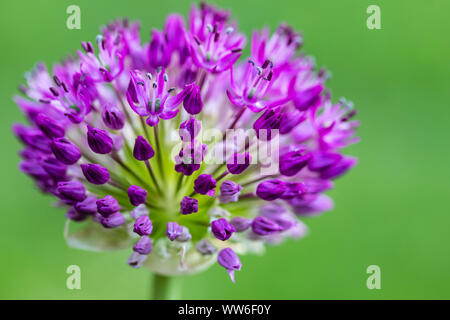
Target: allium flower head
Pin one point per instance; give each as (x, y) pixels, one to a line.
(163, 140)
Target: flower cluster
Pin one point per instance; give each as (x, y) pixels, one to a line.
(100, 138)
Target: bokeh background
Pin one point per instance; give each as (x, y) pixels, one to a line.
(392, 210)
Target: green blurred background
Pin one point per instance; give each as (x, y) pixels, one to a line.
(392, 210)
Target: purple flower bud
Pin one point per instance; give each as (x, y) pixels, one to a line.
(192, 103)
(137, 195)
(99, 140)
(308, 98)
(49, 126)
(188, 205)
(229, 191)
(267, 125)
(321, 160)
(158, 50)
(140, 210)
(205, 247)
(34, 169)
(136, 260)
(289, 120)
(142, 149)
(173, 230)
(271, 189)
(185, 236)
(113, 117)
(143, 226)
(107, 206)
(311, 204)
(74, 215)
(205, 184)
(87, 206)
(143, 246)
(113, 221)
(189, 129)
(239, 163)
(292, 162)
(65, 151)
(71, 190)
(54, 168)
(263, 226)
(241, 224)
(222, 229)
(230, 261)
(293, 189)
(95, 173)
(339, 168)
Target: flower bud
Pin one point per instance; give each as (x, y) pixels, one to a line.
(293, 189)
(188, 205)
(239, 163)
(185, 236)
(241, 224)
(143, 246)
(95, 173)
(143, 226)
(136, 260)
(229, 191)
(189, 129)
(56, 169)
(205, 247)
(222, 229)
(173, 230)
(113, 117)
(74, 215)
(290, 120)
(292, 162)
(107, 206)
(339, 168)
(49, 126)
(72, 190)
(263, 226)
(137, 195)
(266, 124)
(271, 189)
(230, 261)
(87, 206)
(112, 221)
(65, 151)
(192, 103)
(205, 184)
(140, 210)
(321, 160)
(99, 140)
(142, 149)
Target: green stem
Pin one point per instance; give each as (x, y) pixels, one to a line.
(164, 288)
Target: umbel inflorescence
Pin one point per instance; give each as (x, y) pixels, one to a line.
(121, 135)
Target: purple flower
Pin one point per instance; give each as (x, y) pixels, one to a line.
(54, 168)
(113, 220)
(137, 195)
(71, 190)
(113, 118)
(99, 140)
(95, 173)
(87, 206)
(107, 206)
(292, 162)
(339, 168)
(271, 189)
(229, 191)
(205, 184)
(230, 261)
(143, 226)
(239, 163)
(49, 127)
(142, 149)
(263, 226)
(158, 50)
(65, 151)
(192, 102)
(205, 247)
(173, 230)
(189, 129)
(143, 246)
(222, 229)
(189, 158)
(74, 215)
(241, 224)
(267, 124)
(185, 236)
(188, 205)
